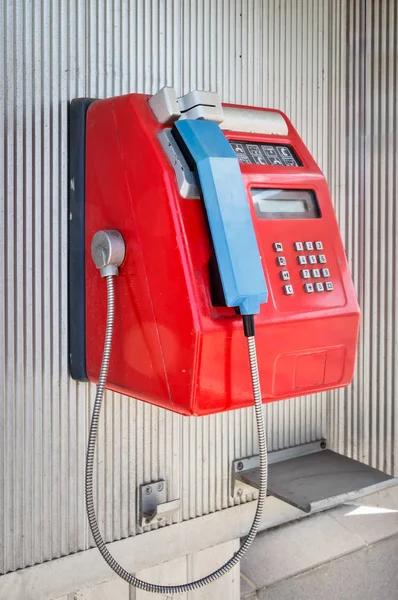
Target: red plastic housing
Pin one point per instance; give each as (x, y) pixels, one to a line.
(171, 346)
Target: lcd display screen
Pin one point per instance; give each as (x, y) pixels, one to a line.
(285, 204)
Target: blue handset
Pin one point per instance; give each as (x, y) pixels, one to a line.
(228, 214)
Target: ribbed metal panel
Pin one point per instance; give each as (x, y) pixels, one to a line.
(364, 419)
(274, 54)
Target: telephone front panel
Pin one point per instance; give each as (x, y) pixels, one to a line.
(176, 342)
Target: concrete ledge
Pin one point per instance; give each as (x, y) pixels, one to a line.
(368, 574)
(65, 575)
(294, 549)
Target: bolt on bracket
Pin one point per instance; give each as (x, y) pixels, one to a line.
(154, 507)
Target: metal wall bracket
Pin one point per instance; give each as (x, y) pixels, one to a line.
(245, 470)
(240, 468)
(153, 505)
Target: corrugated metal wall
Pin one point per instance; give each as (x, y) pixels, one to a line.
(288, 55)
(364, 419)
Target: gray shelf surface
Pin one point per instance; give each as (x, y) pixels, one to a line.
(319, 480)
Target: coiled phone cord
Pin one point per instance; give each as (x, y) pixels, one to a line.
(262, 443)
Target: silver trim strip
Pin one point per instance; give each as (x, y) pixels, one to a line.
(185, 178)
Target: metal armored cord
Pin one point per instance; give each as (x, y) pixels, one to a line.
(143, 585)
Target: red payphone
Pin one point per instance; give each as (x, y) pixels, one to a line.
(216, 214)
(175, 344)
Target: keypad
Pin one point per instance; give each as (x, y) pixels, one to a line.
(281, 261)
(308, 253)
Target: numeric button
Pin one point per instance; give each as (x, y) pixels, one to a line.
(312, 259)
(281, 261)
(321, 259)
(278, 247)
(284, 275)
(308, 246)
(305, 274)
(308, 288)
(319, 287)
(325, 272)
(315, 273)
(302, 260)
(318, 245)
(328, 286)
(288, 290)
(298, 246)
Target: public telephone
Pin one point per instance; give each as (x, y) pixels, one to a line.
(177, 342)
(215, 214)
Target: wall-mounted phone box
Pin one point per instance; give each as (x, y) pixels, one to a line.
(174, 344)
